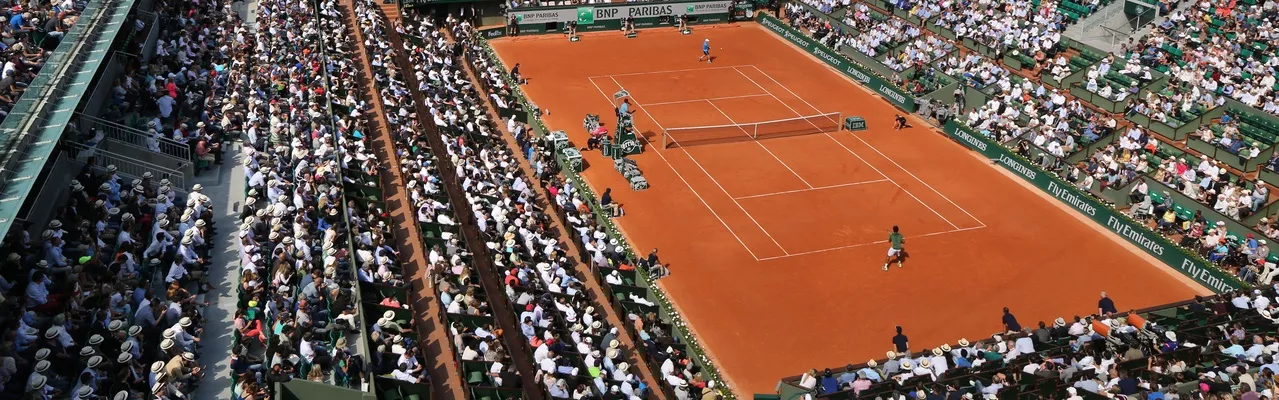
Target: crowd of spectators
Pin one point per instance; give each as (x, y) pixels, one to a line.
(829, 6)
(1211, 183)
(33, 31)
(1174, 105)
(919, 52)
(977, 71)
(1025, 27)
(1048, 119)
(816, 26)
(1225, 49)
(296, 315)
(1228, 137)
(450, 265)
(878, 34)
(575, 350)
(1213, 347)
(161, 95)
(107, 300)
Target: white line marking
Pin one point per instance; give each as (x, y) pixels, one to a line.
(809, 190)
(681, 177)
(761, 145)
(592, 78)
(714, 98)
(699, 165)
(867, 244)
(832, 138)
(912, 175)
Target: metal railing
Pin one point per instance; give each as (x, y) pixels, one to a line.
(135, 137)
(125, 166)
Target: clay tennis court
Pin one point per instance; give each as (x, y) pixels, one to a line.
(776, 243)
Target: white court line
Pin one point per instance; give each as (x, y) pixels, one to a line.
(713, 98)
(592, 78)
(761, 145)
(699, 165)
(681, 176)
(832, 138)
(809, 190)
(912, 175)
(867, 244)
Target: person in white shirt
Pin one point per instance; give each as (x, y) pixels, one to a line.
(401, 373)
(165, 104)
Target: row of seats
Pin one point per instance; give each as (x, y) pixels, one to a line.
(463, 306)
(1220, 48)
(396, 361)
(298, 312)
(1206, 347)
(107, 301)
(575, 350)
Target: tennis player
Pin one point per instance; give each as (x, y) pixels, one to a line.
(896, 249)
(706, 51)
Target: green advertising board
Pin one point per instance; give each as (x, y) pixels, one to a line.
(895, 95)
(1136, 233)
(608, 14)
(609, 17)
(493, 33)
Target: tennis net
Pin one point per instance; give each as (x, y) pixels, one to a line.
(695, 135)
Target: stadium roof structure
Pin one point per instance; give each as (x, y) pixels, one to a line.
(30, 133)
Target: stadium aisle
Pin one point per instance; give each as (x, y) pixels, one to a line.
(228, 190)
(438, 356)
(227, 187)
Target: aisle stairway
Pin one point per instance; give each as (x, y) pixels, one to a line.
(436, 349)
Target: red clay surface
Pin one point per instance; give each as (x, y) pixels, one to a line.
(776, 245)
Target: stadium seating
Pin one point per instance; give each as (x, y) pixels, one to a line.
(1174, 349)
(1184, 45)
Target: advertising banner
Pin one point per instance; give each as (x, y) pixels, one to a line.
(858, 72)
(588, 15)
(1153, 243)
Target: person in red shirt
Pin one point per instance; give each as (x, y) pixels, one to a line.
(171, 87)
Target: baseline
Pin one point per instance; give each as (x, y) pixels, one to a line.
(788, 255)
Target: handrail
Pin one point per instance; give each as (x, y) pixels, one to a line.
(133, 136)
(126, 166)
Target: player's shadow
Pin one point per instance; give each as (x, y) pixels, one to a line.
(711, 59)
